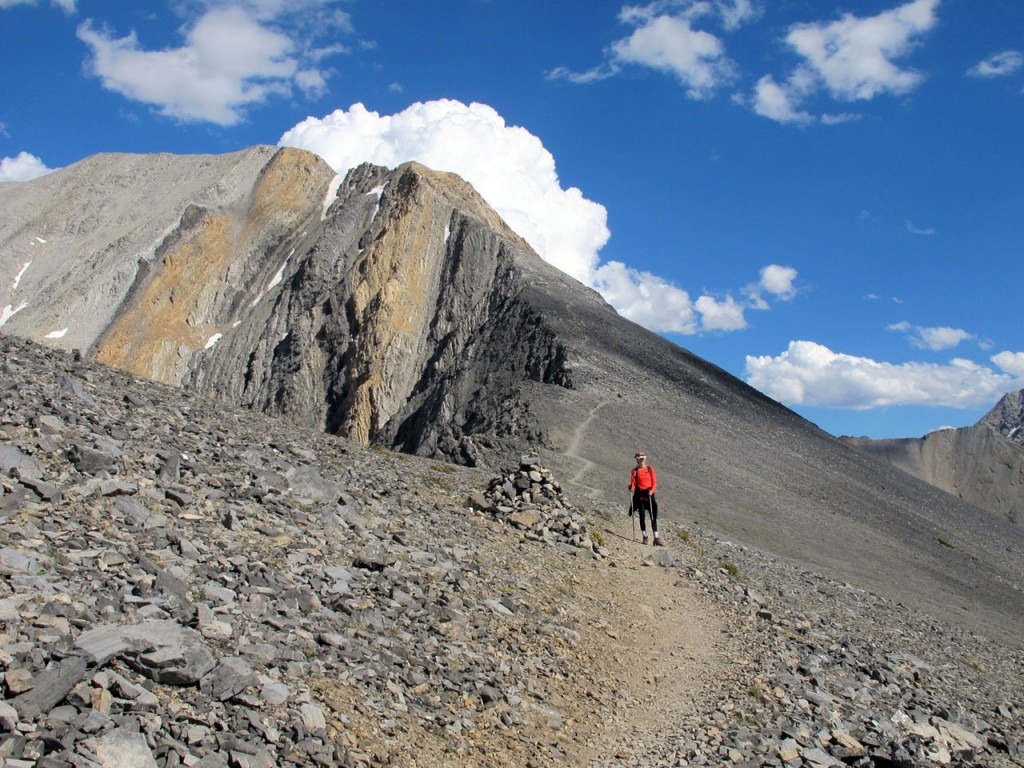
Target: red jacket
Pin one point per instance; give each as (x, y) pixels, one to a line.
(643, 479)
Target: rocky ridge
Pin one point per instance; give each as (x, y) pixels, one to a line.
(982, 464)
(188, 584)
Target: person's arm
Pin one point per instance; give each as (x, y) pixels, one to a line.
(654, 481)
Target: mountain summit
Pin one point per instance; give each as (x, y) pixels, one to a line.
(396, 308)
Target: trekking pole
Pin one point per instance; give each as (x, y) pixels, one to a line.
(631, 517)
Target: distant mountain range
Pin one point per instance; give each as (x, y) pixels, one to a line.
(983, 464)
(395, 307)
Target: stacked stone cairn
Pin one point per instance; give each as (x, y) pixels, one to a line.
(528, 498)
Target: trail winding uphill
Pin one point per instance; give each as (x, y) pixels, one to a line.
(650, 632)
(573, 451)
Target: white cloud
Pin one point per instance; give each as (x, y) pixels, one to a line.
(24, 167)
(998, 65)
(516, 175)
(664, 39)
(915, 230)
(1011, 362)
(68, 6)
(935, 338)
(669, 44)
(720, 315)
(775, 280)
(852, 58)
(646, 299)
(602, 72)
(233, 58)
(778, 102)
(811, 374)
(779, 281)
(736, 13)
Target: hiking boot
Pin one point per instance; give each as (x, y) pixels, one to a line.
(645, 539)
(657, 541)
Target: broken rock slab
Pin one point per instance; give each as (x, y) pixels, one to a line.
(162, 650)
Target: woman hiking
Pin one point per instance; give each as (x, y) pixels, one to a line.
(643, 482)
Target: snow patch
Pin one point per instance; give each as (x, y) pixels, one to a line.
(274, 281)
(212, 341)
(447, 232)
(1012, 432)
(17, 277)
(56, 334)
(379, 192)
(332, 194)
(10, 311)
(280, 273)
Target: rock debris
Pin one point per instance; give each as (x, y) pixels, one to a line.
(186, 584)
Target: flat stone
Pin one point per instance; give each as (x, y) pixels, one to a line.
(121, 748)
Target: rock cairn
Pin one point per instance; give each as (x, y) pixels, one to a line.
(528, 498)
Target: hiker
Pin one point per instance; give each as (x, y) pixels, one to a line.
(643, 483)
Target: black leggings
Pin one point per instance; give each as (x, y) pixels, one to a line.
(644, 503)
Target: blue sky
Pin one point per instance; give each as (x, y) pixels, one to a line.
(823, 199)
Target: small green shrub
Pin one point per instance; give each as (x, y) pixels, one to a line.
(598, 539)
(732, 569)
(945, 543)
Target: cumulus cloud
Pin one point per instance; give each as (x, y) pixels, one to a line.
(998, 65)
(1011, 362)
(646, 299)
(778, 101)
(671, 45)
(516, 175)
(720, 314)
(233, 58)
(853, 59)
(664, 39)
(776, 280)
(779, 280)
(24, 167)
(811, 374)
(736, 13)
(936, 339)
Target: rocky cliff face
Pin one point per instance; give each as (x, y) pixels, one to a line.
(400, 324)
(983, 464)
(386, 310)
(1007, 417)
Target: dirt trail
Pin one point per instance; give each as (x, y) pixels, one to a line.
(573, 451)
(660, 644)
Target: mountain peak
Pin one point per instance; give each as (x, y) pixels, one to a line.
(1007, 417)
